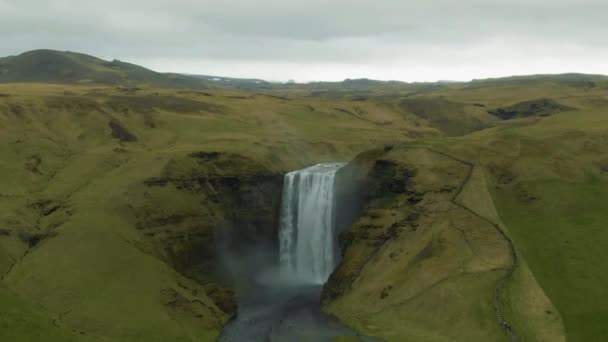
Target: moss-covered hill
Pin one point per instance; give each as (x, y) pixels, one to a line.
(64, 67)
(506, 224)
(112, 198)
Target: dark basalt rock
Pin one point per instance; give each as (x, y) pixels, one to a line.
(224, 298)
(390, 177)
(178, 306)
(380, 180)
(239, 205)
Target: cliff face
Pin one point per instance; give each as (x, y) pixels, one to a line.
(417, 257)
(164, 234)
(203, 206)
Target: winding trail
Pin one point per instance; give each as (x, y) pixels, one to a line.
(498, 289)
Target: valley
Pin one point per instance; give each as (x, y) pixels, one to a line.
(143, 209)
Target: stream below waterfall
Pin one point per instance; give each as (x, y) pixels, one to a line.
(283, 313)
(284, 301)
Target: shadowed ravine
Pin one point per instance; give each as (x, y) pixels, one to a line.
(284, 303)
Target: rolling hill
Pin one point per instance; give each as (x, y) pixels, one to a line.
(49, 66)
(481, 197)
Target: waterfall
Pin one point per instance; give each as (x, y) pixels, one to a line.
(308, 247)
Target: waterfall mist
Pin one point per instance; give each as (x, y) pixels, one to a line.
(283, 303)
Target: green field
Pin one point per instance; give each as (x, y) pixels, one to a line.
(564, 237)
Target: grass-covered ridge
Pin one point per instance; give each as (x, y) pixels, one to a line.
(64, 67)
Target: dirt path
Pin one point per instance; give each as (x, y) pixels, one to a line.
(498, 289)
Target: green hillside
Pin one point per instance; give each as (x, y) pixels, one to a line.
(50, 66)
(115, 182)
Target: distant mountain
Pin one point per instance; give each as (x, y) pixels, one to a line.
(64, 67)
(222, 79)
(569, 79)
(50, 66)
(246, 84)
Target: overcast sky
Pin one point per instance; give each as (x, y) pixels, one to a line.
(310, 40)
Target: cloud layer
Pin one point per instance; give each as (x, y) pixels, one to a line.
(322, 40)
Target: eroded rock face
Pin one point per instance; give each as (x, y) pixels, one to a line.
(414, 249)
(203, 204)
(183, 305)
(377, 181)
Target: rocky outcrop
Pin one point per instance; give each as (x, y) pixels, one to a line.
(202, 206)
(247, 192)
(223, 297)
(416, 257)
(187, 306)
(374, 181)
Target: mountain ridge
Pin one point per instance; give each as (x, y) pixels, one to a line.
(67, 67)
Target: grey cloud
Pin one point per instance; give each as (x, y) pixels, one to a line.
(376, 34)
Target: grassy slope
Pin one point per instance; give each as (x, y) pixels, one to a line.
(24, 321)
(549, 188)
(545, 178)
(50, 66)
(436, 261)
(98, 275)
(569, 263)
(562, 231)
(93, 175)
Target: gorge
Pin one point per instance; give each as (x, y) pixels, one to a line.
(135, 213)
(284, 301)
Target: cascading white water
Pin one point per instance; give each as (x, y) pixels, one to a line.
(308, 246)
(284, 304)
